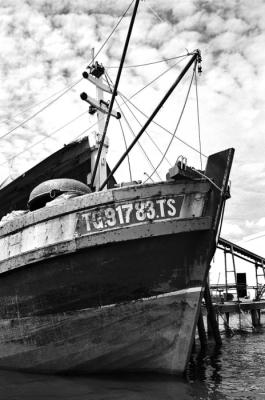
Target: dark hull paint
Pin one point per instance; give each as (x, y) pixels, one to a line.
(142, 335)
(116, 307)
(108, 274)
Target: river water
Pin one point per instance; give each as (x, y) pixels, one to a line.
(235, 372)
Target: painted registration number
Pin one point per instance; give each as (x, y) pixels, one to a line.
(128, 213)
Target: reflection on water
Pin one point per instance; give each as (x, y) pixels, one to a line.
(235, 372)
(131, 387)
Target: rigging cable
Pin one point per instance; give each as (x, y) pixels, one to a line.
(162, 127)
(32, 106)
(72, 85)
(154, 12)
(154, 122)
(149, 63)
(143, 150)
(43, 139)
(154, 113)
(143, 88)
(113, 30)
(126, 147)
(198, 117)
(127, 100)
(39, 111)
(124, 102)
(181, 114)
(207, 178)
(108, 79)
(149, 136)
(117, 80)
(156, 78)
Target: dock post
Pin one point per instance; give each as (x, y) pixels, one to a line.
(258, 312)
(255, 317)
(211, 316)
(201, 331)
(226, 323)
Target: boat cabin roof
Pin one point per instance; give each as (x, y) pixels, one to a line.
(71, 161)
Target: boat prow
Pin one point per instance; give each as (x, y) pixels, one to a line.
(110, 280)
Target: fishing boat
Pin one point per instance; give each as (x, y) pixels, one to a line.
(97, 276)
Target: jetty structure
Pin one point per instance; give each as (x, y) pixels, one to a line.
(97, 276)
(232, 297)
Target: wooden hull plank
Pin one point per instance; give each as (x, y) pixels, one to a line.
(150, 335)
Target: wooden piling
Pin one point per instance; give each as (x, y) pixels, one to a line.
(255, 317)
(226, 322)
(201, 331)
(258, 312)
(211, 316)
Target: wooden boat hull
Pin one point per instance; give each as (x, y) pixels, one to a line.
(152, 334)
(109, 281)
(129, 304)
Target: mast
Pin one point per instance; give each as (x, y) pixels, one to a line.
(101, 172)
(94, 172)
(101, 107)
(100, 145)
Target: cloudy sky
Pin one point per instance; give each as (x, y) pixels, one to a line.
(46, 45)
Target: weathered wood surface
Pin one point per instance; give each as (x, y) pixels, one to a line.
(152, 334)
(54, 231)
(84, 294)
(107, 274)
(110, 196)
(71, 161)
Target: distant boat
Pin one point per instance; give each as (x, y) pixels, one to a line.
(105, 280)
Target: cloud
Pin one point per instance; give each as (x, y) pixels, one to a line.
(46, 44)
(231, 230)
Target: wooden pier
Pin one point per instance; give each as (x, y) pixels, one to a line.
(214, 309)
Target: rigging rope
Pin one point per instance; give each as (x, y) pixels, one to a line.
(154, 113)
(129, 126)
(43, 139)
(143, 88)
(181, 114)
(126, 147)
(155, 14)
(150, 63)
(198, 117)
(155, 79)
(113, 30)
(127, 100)
(207, 178)
(73, 84)
(112, 100)
(161, 126)
(108, 79)
(32, 106)
(149, 136)
(143, 150)
(125, 103)
(39, 111)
